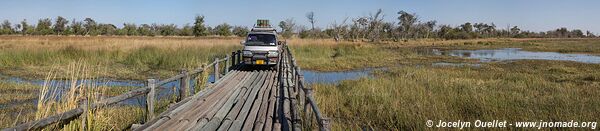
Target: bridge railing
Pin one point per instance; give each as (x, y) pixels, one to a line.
(305, 96)
(150, 91)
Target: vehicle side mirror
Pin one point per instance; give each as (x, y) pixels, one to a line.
(242, 42)
(279, 42)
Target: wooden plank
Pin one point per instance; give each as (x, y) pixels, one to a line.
(235, 112)
(260, 103)
(202, 111)
(286, 120)
(183, 117)
(222, 113)
(250, 102)
(238, 106)
(271, 110)
(225, 103)
(176, 111)
(216, 120)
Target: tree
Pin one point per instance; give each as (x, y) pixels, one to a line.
(145, 30)
(77, 27)
(339, 30)
(90, 27)
(515, 30)
(311, 19)
(375, 24)
(303, 32)
(223, 29)
(130, 29)
(6, 28)
(467, 27)
(167, 30)
(43, 27)
(186, 30)
(199, 29)
(387, 30)
(429, 26)
(107, 29)
(589, 34)
(287, 27)
(240, 31)
(407, 20)
(359, 28)
(444, 31)
(24, 27)
(60, 25)
(577, 33)
(17, 29)
(154, 29)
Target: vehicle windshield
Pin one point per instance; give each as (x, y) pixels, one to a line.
(261, 40)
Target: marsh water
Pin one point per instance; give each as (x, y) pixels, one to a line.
(505, 54)
(311, 77)
(58, 86)
(169, 89)
(334, 77)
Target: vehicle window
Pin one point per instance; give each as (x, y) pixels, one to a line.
(261, 39)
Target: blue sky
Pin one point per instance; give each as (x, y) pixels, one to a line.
(535, 15)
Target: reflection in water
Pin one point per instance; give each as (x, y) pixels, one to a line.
(518, 54)
(165, 91)
(312, 77)
(168, 89)
(455, 64)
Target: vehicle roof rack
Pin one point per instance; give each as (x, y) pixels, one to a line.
(261, 23)
(262, 26)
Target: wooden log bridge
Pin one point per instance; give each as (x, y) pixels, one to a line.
(241, 98)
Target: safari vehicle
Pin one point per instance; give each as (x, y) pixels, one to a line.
(261, 46)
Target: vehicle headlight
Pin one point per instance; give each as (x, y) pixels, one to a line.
(247, 53)
(273, 53)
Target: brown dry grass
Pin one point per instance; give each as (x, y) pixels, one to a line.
(122, 43)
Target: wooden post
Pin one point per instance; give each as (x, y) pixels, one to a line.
(239, 55)
(150, 99)
(184, 85)
(326, 126)
(234, 56)
(216, 69)
(227, 63)
(302, 92)
(84, 114)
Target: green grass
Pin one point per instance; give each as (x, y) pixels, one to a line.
(356, 56)
(405, 98)
(341, 57)
(411, 91)
(114, 57)
(135, 64)
(402, 97)
(19, 97)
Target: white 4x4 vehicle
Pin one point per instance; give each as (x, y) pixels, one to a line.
(261, 46)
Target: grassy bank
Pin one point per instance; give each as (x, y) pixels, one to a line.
(405, 98)
(117, 57)
(580, 46)
(18, 105)
(352, 55)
